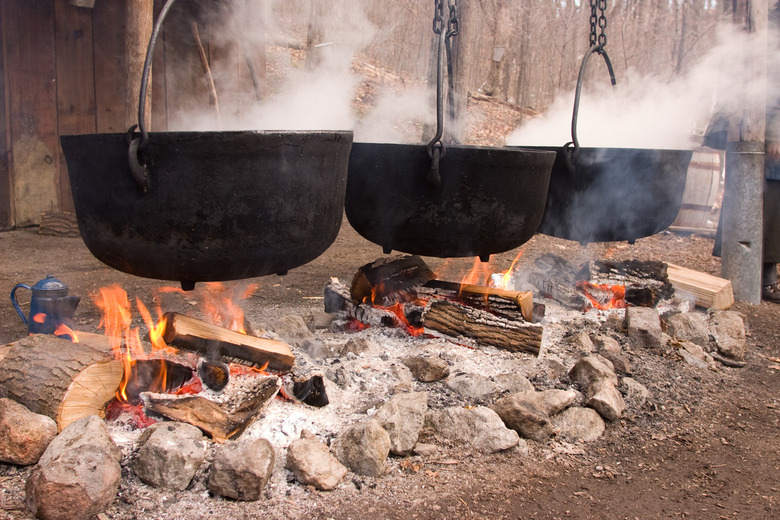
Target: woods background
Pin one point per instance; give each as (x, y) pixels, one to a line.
(67, 66)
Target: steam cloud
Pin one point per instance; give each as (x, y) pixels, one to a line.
(652, 112)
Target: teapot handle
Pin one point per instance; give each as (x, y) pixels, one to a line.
(16, 304)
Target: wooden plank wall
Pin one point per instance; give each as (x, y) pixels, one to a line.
(62, 71)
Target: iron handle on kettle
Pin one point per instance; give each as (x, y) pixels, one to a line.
(16, 303)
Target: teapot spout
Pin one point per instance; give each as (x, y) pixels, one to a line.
(68, 306)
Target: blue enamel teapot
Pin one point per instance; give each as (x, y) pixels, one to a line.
(50, 305)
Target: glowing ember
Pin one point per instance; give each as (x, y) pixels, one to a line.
(398, 310)
(604, 296)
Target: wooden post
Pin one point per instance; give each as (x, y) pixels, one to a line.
(139, 16)
(742, 213)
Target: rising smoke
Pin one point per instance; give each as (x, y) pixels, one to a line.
(651, 112)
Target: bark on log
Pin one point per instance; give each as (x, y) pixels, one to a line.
(232, 347)
(63, 380)
(459, 320)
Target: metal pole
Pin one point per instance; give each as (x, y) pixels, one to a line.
(742, 218)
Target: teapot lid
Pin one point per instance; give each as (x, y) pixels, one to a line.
(50, 284)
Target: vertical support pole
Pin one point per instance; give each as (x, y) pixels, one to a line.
(742, 223)
(140, 21)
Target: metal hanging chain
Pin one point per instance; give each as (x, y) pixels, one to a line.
(453, 28)
(598, 18)
(436, 148)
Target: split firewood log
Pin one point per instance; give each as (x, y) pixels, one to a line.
(456, 319)
(63, 380)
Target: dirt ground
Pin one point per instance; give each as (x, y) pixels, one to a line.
(706, 447)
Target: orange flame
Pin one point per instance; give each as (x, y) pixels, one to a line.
(398, 310)
(504, 280)
(116, 321)
(604, 296)
(39, 318)
(219, 305)
(64, 330)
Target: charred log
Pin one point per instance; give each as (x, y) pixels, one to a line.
(388, 280)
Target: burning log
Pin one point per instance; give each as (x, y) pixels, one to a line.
(221, 422)
(460, 320)
(557, 279)
(491, 297)
(214, 341)
(646, 282)
(63, 380)
(389, 280)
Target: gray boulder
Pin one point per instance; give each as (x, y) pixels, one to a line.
(577, 424)
(644, 326)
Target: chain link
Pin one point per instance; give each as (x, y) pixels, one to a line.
(453, 25)
(598, 20)
(602, 22)
(438, 16)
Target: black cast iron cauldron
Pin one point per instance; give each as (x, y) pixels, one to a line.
(613, 194)
(219, 205)
(489, 200)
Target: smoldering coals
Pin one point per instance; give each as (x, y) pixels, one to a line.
(651, 112)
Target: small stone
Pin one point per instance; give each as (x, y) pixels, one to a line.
(78, 475)
(728, 328)
(520, 413)
(403, 417)
(427, 368)
(577, 424)
(644, 326)
(241, 469)
(474, 387)
(170, 454)
(292, 329)
(688, 326)
(581, 342)
(364, 448)
(636, 393)
(24, 435)
(480, 428)
(513, 383)
(606, 400)
(591, 369)
(312, 464)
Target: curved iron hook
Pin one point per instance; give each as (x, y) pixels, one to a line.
(593, 49)
(138, 168)
(138, 143)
